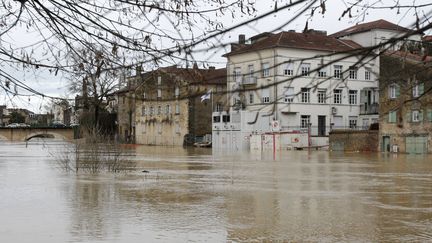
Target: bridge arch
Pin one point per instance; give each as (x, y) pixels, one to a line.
(44, 134)
(25, 134)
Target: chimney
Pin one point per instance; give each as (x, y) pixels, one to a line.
(195, 65)
(242, 39)
(316, 32)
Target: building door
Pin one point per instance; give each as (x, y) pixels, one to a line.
(386, 144)
(321, 125)
(416, 144)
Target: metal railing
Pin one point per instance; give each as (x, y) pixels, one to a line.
(249, 80)
(321, 130)
(367, 109)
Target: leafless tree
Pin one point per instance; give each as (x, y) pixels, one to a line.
(103, 36)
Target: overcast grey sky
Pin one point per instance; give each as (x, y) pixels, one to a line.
(329, 21)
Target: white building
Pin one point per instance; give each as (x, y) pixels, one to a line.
(378, 32)
(290, 82)
(303, 82)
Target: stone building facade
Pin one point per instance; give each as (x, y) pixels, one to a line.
(125, 109)
(405, 103)
(170, 109)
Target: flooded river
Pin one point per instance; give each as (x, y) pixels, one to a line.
(194, 195)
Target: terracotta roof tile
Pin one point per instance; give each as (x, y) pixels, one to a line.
(308, 41)
(427, 38)
(196, 75)
(408, 55)
(378, 24)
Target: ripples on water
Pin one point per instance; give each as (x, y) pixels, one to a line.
(194, 195)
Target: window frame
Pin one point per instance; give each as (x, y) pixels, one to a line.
(337, 71)
(322, 96)
(352, 122)
(305, 95)
(304, 121)
(368, 75)
(237, 74)
(305, 69)
(353, 97)
(352, 74)
(415, 116)
(288, 69)
(337, 96)
(143, 111)
(265, 69)
(288, 95)
(265, 95)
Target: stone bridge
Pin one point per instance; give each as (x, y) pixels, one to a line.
(23, 134)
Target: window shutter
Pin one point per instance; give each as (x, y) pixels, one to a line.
(389, 93)
(397, 91)
(421, 88)
(363, 96)
(421, 115)
(392, 116)
(429, 114)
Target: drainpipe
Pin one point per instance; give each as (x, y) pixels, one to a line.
(275, 85)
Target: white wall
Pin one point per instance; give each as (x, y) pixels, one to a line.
(376, 36)
(289, 113)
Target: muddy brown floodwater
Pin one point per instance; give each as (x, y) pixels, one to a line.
(196, 195)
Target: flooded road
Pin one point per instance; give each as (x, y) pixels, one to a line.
(194, 195)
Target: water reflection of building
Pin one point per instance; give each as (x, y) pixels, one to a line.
(302, 198)
(96, 208)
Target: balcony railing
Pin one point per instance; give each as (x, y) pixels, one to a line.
(368, 109)
(249, 80)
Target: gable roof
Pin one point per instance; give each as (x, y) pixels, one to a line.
(378, 24)
(308, 41)
(197, 75)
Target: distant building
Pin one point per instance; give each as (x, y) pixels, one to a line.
(28, 115)
(62, 112)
